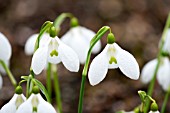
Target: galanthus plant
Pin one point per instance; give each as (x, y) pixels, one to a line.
(160, 67)
(15, 102)
(111, 57)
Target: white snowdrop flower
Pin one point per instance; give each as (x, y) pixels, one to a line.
(13, 104)
(1, 81)
(163, 74)
(36, 104)
(5, 54)
(154, 112)
(54, 51)
(166, 47)
(30, 43)
(78, 38)
(112, 57)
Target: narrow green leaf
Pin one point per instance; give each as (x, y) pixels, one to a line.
(42, 88)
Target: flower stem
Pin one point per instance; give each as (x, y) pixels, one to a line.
(151, 86)
(10, 75)
(57, 88)
(165, 101)
(48, 81)
(80, 107)
(94, 40)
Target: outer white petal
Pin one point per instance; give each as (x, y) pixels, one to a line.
(98, 69)
(1, 81)
(11, 107)
(39, 60)
(127, 64)
(148, 71)
(74, 39)
(166, 46)
(2, 69)
(5, 49)
(164, 74)
(88, 34)
(26, 107)
(68, 57)
(44, 107)
(78, 38)
(30, 44)
(45, 40)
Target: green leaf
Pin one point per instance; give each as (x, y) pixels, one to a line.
(42, 88)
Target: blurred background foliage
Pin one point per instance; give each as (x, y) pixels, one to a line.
(137, 25)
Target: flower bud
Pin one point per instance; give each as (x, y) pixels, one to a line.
(110, 38)
(53, 31)
(35, 90)
(18, 90)
(74, 22)
(154, 106)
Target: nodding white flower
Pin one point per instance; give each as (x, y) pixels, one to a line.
(54, 51)
(79, 39)
(13, 104)
(30, 43)
(166, 47)
(154, 112)
(35, 104)
(112, 57)
(5, 53)
(163, 74)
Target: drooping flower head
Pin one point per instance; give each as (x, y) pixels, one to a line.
(36, 104)
(54, 51)
(14, 103)
(78, 38)
(112, 57)
(163, 74)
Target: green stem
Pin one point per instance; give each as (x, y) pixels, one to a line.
(57, 88)
(48, 81)
(80, 107)
(151, 86)
(94, 40)
(11, 77)
(165, 101)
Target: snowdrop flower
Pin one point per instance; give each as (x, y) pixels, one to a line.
(36, 104)
(14, 103)
(54, 51)
(163, 74)
(166, 47)
(78, 38)
(112, 57)
(30, 43)
(5, 54)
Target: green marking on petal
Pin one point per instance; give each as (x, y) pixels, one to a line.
(112, 59)
(54, 53)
